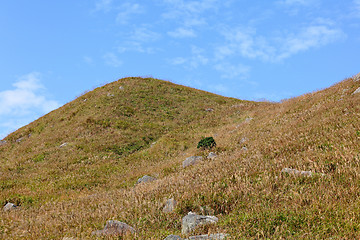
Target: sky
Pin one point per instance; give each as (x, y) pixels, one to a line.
(53, 51)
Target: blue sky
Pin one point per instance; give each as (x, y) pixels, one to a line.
(53, 51)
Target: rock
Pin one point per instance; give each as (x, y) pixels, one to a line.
(63, 145)
(191, 161)
(244, 149)
(356, 91)
(209, 109)
(297, 172)
(121, 88)
(19, 139)
(244, 139)
(2, 142)
(116, 228)
(192, 220)
(217, 236)
(247, 120)
(145, 179)
(9, 207)
(69, 238)
(212, 155)
(173, 237)
(356, 78)
(169, 205)
(110, 95)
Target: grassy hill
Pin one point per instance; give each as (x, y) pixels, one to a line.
(76, 167)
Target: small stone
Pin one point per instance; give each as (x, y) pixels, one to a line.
(247, 120)
(173, 237)
(169, 205)
(9, 207)
(145, 179)
(209, 109)
(357, 91)
(217, 236)
(356, 78)
(297, 172)
(2, 142)
(110, 95)
(121, 88)
(19, 139)
(116, 228)
(63, 145)
(191, 161)
(192, 220)
(212, 155)
(244, 149)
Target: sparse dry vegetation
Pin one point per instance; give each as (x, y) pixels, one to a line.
(116, 135)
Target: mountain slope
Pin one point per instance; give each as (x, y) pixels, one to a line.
(73, 190)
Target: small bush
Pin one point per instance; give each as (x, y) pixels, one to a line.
(207, 142)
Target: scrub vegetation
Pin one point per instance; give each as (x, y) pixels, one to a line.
(75, 168)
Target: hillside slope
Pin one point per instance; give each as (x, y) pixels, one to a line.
(132, 127)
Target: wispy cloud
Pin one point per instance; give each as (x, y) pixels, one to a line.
(297, 2)
(231, 71)
(25, 102)
(248, 44)
(103, 5)
(112, 60)
(356, 8)
(127, 10)
(196, 59)
(182, 33)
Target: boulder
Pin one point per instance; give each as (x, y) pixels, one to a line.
(357, 91)
(192, 220)
(212, 156)
(191, 161)
(217, 236)
(173, 237)
(9, 207)
(145, 179)
(115, 228)
(297, 172)
(169, 205)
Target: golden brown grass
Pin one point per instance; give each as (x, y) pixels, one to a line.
(73, 190)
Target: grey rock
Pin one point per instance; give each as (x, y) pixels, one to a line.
(121, 88)
(173, 237)
(2, 142)
(145, 179)
(244, 149)
(356, 91)
(192, 220)
(19, 139)
(297, 172)
(9, 207)
(356, 78)
(212, 155)
(209, 109)
(69, 238)
(169, 205)
(110, 95)
(217, 236)
(247, 120)
(191, 161)
(116, 228)
(63, 145)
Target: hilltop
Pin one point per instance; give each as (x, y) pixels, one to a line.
(77, 167)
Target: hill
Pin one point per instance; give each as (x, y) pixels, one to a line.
(75, 168)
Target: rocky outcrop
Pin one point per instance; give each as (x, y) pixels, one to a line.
(115, 228)
(169, 206)
(173, 237)
(145, 179)
(212, 156)
(192, 220)
(217, 236)
(191, 161)
(9, 207)
(297, 172)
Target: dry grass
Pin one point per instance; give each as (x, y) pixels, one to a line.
(73, 190)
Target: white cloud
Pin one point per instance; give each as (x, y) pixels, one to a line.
(231, 71)
(112, 60)
(24, 103)
(196, 59)
(356, 8)
(248, 44)
(127, 10)
(297, 2)
(103, 5)
(182, 33)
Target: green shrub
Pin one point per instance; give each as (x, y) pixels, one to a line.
(207, 142)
